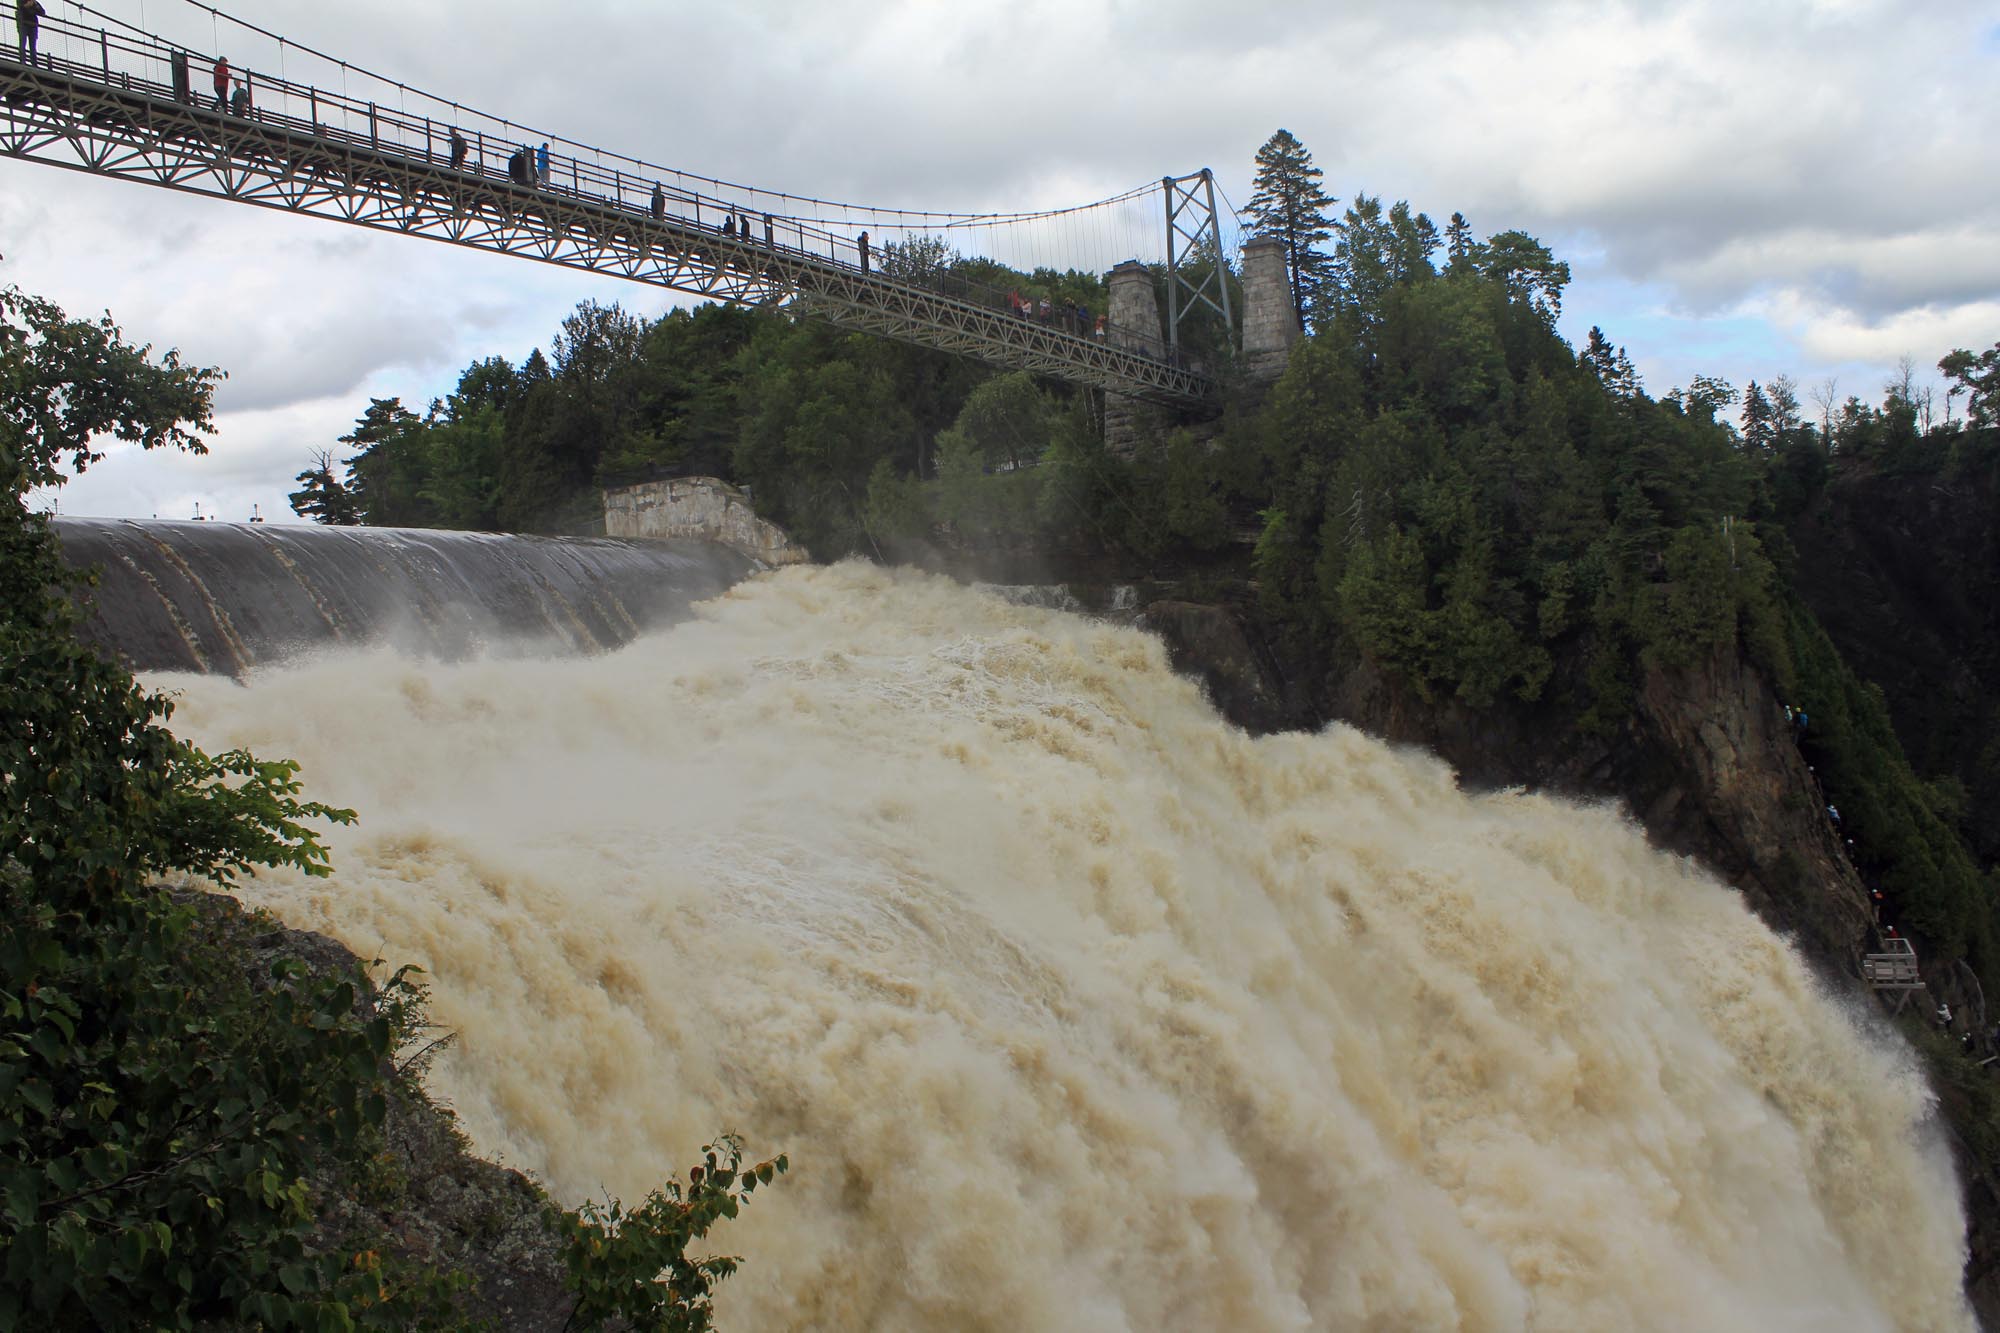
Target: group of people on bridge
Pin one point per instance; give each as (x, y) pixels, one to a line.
(1069, 316)
(232, 93)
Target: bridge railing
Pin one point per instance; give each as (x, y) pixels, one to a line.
(139, 62)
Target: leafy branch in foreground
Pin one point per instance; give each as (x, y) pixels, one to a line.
(633, 1267)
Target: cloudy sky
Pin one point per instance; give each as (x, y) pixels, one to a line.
(1743, 189)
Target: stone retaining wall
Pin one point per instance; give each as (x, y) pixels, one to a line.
(698, 507)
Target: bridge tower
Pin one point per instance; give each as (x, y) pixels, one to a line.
(1196, 272)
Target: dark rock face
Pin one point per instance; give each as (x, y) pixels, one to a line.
(228, 597)
(1904, 573)
(1706, 764)
(1209, 642)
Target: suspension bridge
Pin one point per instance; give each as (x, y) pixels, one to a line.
(107, 97)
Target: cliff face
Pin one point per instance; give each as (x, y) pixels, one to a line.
(1903, 570)
(1706, 762)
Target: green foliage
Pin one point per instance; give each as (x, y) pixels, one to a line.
(1288, 202)
(159, 1111)
(895, 509)
(1902, 831)
(1977, 378)
(1452, 492)
(70, 382)
(630, 1269)
(322, 496)
(1006, 422)
(388, 466)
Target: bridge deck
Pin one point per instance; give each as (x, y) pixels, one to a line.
(371, 166)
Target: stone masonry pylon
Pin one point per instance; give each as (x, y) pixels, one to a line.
(1134, 325)
(1270, 320)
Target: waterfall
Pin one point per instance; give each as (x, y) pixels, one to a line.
(1077, 1008)
(227, 597)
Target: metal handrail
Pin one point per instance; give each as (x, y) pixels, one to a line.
(360, 123)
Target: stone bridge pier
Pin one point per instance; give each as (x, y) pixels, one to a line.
(1271, 328)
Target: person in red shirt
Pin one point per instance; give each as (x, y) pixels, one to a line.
(222, 83)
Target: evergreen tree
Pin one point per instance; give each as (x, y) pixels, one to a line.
(1759, 429)
(1785, 414)
(1531, 273)
(1289, 204)
(1460, 249)
(386, 472)
(1614, 370)
(323, 497)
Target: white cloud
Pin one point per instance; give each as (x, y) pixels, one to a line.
(1833, 335)
(1824, 166)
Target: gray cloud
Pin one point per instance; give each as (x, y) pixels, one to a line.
(1823, 169)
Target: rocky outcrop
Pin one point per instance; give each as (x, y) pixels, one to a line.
(1705, 761)
(1209, 642)
(699, 507)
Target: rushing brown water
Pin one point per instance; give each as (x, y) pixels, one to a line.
(1076, 1008)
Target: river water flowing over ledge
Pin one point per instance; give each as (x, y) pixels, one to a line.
(230, 597)
(1076, 1008)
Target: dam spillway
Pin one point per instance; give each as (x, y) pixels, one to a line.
(225, 598)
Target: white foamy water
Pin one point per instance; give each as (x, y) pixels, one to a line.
(1076, 1008)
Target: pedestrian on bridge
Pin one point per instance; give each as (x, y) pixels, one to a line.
(240, 103)
(28, 24)
(459, 149)
(542, 163)
(222, 83)
(861, 243)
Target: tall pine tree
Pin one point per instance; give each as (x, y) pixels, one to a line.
(1289, 204)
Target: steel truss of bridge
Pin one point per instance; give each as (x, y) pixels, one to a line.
(110, 122)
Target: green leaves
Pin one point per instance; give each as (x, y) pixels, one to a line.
(633, 1266)
(65, 382)
(161, 1109)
